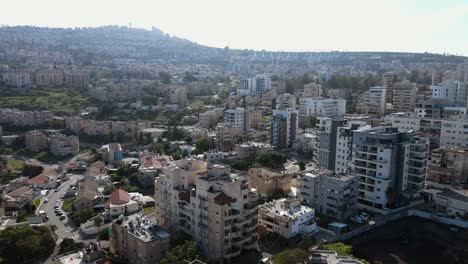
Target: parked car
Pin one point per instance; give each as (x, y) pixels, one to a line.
(46, 200)
(62, 217)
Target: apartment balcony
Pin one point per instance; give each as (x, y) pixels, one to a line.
(241, 240)
(232, 252)
(251, 244)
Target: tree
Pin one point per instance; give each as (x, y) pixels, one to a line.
(25, 244)
(68, 244)
(98, 222)
(32, 171)
(290, 256)
(177, 155)
(301, 165)
(182, 254)
(83, 215)
(203, 145)
(271, 160)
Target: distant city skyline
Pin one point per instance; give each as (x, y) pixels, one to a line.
(301, 25)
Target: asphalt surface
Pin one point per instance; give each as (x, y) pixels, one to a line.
(65, 228)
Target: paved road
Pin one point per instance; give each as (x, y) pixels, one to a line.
(65, 228)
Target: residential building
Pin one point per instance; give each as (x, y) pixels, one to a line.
(330, 257)
(330, 193)
(448, 166)
(322, 107)
(254, 119)
(35, 140)
(77, 79)
(268, 182)
(312, 90)
(18, 198)
(18, 78)
(373, 101)
(236, 118)
(49, 78)
(111, 152)
(216, 207)
(249, 150)
(391, 165)
(209, 118)
(25, 118)
(262, 83)
(119, 203)
(62, 145)
(327, 141)
(452, 202)
(284, 126)
(138, 240)
(285, 101)
(450, 93)
(404, 96)
(287, 218)
(227, 136)
(454, 132)
(86, 195)
(344, 142)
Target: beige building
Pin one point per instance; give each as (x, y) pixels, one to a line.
(138, 240)
(250, 150)
(254, 119)
(210, 203)
(208, 119)
(448, 166)
(77, 79)
(404, 96)
(49, 78)
(268, 182)
(35, 140)
(62, 145)
(286, 217)
(227, 136)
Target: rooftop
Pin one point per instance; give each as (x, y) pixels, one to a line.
(142, 228)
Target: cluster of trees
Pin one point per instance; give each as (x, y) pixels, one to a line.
(271, 160)
(182, 254)
(82, 216)
(353, 83)
(32, 171)
(68, 245)
(25, 244)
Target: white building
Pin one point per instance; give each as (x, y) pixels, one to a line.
(373, 101)
(450, 93)
(344, 143)
(287, 217)
(404, 96)
(332, 194)
(62, 145)
(322, 107)
(236, 118)
(454, 133)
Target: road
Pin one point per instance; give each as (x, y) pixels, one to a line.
(65, 228)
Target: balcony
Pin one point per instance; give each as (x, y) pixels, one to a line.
(232, 252)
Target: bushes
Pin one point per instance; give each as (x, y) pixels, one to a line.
(67, 205)
(288, 256)
(82, 216)
(271, 160)
(182, 254)
(68, 244)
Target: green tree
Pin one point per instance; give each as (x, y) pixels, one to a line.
(83, 215)
(271, 160)
(203, 145)
(177, 155)
(32, 171)
(182, 254)
(68, 244)
(301, 165)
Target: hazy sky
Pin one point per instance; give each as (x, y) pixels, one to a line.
(377, 25)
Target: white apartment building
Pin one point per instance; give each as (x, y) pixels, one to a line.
(322, 107)
(287, 217)
(344, 143)
(216, 207)
(312, 90)
(62, 145)
(454, 133)
(389, 164)
(450, 93)
(209, 118)
(284, 126)
(373, 101)
(404, 121)
(257, 85)
(18, 78)
(332, 194)
(285, 101)
(236, 118)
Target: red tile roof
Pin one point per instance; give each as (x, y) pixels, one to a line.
(118, 197)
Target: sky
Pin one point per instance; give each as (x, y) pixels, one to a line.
(439, 26)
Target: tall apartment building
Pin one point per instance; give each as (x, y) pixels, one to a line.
(373, 101)
(448, 166)
(216, 207)
(138, 240)
(327, 136)
(35, 140)
(286, 217)
(227, 136)
(332, 194)
(404, 96)
(450, 93)
(344, 144)
(454, 132)
(25, 118)
(254, 119)
(268, 182)
(18, 78)
(236, 118)
(389, 163)
(284, 126)
(257, 85)
(322, 107)
(62, 145)
(49, 78)
(77, 79)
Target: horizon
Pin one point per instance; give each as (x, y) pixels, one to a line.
(302, 26)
